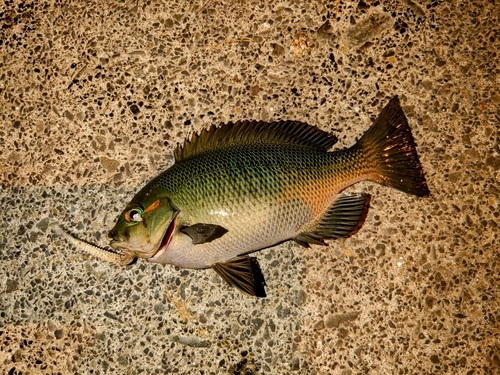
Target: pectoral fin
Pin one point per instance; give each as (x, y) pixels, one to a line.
(243, 273)
(203, 233)
(344, 218)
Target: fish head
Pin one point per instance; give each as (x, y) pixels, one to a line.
(145, 226)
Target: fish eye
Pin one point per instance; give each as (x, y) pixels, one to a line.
(133, 215)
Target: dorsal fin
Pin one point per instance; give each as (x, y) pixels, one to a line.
(280, 132)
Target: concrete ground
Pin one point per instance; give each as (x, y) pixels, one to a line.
(95, 95)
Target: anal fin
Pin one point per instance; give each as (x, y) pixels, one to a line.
(344, 218)
(243, 273)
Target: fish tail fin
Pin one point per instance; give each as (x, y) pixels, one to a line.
(389, 144)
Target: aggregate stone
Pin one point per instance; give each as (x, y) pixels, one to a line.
(95, 97)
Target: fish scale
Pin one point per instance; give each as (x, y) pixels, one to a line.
(295, 186)
(245, 186)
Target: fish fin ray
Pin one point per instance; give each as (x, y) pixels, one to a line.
(282, 132)
(307, 239)
(203, 233)
(302, 241)
(244, 274)
(390, 145)
(343, 219)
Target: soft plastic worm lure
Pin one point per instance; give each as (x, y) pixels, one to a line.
(97, 251)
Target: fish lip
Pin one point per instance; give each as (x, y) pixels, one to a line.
(113, 244)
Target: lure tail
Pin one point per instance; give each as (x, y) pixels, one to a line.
(390, 146)
(97, 251)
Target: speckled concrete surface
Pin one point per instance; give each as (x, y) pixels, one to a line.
(94, 97)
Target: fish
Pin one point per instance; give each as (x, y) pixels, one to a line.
(241, 187)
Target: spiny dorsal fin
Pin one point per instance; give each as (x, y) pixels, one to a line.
(281, 132)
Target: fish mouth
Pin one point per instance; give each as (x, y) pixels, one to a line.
(167, 237)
